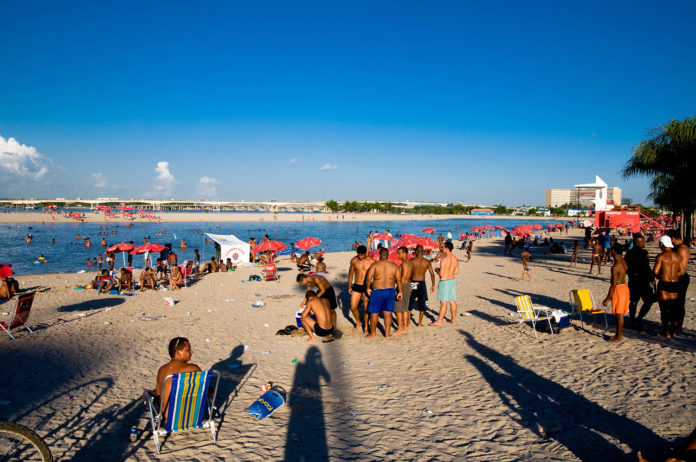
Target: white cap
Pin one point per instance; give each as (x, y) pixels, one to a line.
(666, 241)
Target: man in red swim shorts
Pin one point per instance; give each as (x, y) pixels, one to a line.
(618, 291)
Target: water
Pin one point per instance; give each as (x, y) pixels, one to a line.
(69, 254)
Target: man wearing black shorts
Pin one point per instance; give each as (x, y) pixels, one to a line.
(419, 292)
(325, 290)
(359, 265)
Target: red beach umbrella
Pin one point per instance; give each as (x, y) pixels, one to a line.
(126, 207)
(428, 230)
(428, 244)
(147, 248)
(307, 242)
(538, 226)
(269, 245)
(410, 242)
(122, 247)
(102, 207)
(5, 270)
(51, 207)
(462, 236)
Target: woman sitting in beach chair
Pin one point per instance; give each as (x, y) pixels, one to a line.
(147, 279)
(106, 282)
(125, 282)
(175, 278)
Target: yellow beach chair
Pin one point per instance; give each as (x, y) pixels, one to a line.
(581, 301)
(529, 312)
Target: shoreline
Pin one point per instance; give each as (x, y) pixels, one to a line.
(221, 217)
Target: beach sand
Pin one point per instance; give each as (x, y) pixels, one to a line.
(480, 389)
(219, 217)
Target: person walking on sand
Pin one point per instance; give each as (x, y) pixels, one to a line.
(574, 257)
(447, 288)
(684, 253)
(419, 293)
(357, 271)
(668, 268)
(382, 282)
(322, 311)
(619, 294)
(401, 307)
(525, 265)
(640, 281)
(596, 255)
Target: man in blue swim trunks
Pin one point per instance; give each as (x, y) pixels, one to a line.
(382, 281)
(447, 288)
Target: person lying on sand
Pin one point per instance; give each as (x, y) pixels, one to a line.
(321, 309)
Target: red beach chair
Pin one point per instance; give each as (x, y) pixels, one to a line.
(21, 315)
(270, 272)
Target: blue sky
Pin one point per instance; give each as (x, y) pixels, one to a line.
(432, 101)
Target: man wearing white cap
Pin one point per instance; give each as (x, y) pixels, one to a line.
(668, 268)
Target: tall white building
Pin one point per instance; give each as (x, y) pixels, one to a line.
(584, 194)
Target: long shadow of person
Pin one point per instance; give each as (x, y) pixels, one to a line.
(233, 375)
(306, 438)
(552, 411)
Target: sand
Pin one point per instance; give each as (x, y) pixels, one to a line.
(480, 389)
(213, 217)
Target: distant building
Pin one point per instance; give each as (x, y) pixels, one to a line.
(585, 195)
(481, 212)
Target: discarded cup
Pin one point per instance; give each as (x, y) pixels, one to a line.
(383, 386)
(259, 304)
(169, 301)
(267, 352)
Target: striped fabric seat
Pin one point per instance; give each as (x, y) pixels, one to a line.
(531, 313)
(190, 404)
(582, 302)
(187, 401)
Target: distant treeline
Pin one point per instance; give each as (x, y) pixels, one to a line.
(388, 207)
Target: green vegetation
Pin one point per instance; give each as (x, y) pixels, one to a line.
(668, 157)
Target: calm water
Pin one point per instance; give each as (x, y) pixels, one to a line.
(69, 254)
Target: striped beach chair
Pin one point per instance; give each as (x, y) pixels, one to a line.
(531, 313)
(189, 404)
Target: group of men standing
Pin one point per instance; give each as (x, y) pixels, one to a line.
(670, 274)
(385, 288)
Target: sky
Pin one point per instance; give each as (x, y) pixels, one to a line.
(455, 101)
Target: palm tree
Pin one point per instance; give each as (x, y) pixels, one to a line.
(668, 156)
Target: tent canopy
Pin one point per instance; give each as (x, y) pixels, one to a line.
(232, 247)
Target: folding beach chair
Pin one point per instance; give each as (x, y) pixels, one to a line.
(582, 301)
(529, 312)
(186, 271)
(21, 314)
(190, 405)
(270, 271)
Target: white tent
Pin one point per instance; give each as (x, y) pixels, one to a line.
(232, 247)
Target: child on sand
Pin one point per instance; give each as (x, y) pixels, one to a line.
(574, 257)
(525, 265)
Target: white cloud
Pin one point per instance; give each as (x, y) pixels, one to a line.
(22, 160)
(207, 187)
(293, 160)
(326, 167)
(165, 181)
(98, 180)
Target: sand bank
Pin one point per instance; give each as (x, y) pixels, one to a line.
(480, 389)
(183, 217)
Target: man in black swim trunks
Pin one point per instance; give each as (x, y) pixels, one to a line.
(325, 290)
(668, 268)
(321, 310)
(356, 284)
(419, 292)
(640, 281)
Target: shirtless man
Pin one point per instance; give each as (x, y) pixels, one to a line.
(106, 283)
(172, 259)
(303, 262)
(419, 292)
(321, 309)
(325, 291)
(596, 255)
(640, 281)
(684, 253)
(668, 268)
(618, 292)
(359, 265)
(381, 279)
(180, 352)
(447, 288)
(401, 308)
(210, 267)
